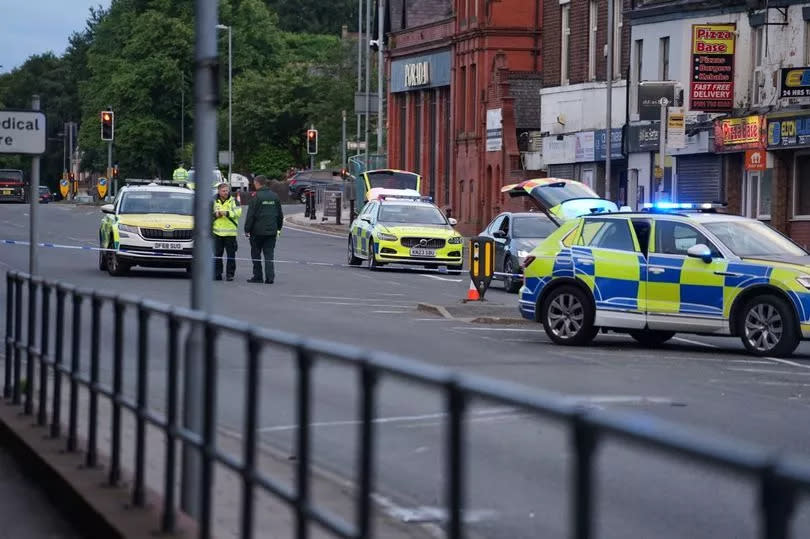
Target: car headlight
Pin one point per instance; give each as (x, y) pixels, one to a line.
(455, 240)
(128, 228)
(386, 237)
(804, 281)
(522, 253)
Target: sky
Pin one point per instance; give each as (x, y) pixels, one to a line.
(38, 26)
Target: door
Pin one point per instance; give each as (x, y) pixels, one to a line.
(606, 257)
(684, 293)
(501, 235)
(362, 230)
(751, 194)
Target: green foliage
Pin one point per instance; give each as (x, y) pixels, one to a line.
(137, 57)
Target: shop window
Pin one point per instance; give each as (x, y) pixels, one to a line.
(593, 17)
(801, 186)
(663, 52)
(565, 43)
(757, 196)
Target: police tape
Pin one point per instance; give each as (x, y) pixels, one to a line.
(441, 269)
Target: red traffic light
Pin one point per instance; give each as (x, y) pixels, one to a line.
(107, 125)
(312, 141)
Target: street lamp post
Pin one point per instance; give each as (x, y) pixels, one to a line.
(230, 99)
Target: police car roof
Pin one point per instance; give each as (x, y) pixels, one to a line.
(700, 217)
(157, 188)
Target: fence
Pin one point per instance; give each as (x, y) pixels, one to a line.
(780, 481)
(358, 165)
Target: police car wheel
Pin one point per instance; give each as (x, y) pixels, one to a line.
(767, 327)
(567, 316)
(115, 267)
(651, 337)
(353, 260)
(372, 260)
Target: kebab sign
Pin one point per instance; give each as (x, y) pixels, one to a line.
(712, 82)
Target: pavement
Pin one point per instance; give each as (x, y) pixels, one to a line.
(25, 511)
(518, 465)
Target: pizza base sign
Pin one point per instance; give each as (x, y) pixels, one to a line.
(711, 88)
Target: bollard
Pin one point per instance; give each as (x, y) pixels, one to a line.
(306, 203)
(312, 210)
(482, 267)
(339, 206)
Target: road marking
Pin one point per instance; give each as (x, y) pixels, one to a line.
(385, 420)
(502, 329)
(487, 419)
(771, 371)
(787, 362)
(442, 278)
(390, 312)
(304, 296)
(358, 304)
(690, 341)
(435, 515)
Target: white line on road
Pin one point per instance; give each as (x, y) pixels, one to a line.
(304, 296)
(690, 341)
(354, 304)
(384, 420)
(389, 312)
(441, 278)
(501, 329)
(291, 227)
(787, 362)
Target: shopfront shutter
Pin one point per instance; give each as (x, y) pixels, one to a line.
(700, 178)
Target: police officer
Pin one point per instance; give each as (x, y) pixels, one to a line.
(180, 174)
(262, 225)
(226, 227)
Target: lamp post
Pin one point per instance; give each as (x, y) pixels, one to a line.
(230, 100)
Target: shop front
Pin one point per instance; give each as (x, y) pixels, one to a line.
(747, 179)
(788, 144)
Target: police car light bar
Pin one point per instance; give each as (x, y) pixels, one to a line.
(406, 197)
(682, 206)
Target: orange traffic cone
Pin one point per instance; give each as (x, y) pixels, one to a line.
(472, 293)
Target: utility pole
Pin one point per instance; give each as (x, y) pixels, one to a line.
(33, 214)
(662, 142)
(205, 147)
(380, 23)
(368, 78)
(609, 99)
(343, 144)
(70, 153)
(182, 114)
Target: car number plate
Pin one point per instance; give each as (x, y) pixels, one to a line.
(169, 246)
(417, 251)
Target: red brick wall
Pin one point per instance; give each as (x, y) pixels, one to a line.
(578, 49)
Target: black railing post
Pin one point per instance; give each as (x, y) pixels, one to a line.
(95, 338)
(368, 386)
(42, 412)
(252, 396)
(139, 489)
(339, 206)
(118, 383)
(18, 310)
(778, 501)
(209, 429)
(10, 307)
(59, 352)
(73, 412)
(169, 518)
(456, 402)
(583, 438)
(304, 361)
(31, 352)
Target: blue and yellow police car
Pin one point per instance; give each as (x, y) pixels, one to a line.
(674, 268)
(402, 228)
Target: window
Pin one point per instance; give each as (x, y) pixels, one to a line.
(505, 226)
(757, 195)
(593, 17)
(565, 43)
(607, 234)
(639, 46)
(403, 129)
(496, 224)
(617, 40)
(757, 57)
(532, 227)
(462, 100)
(801, 185)
(764, 197)
(749, 238)
(417, 134)
(806, 42)
(473, 101)
(673, 238)
(663, 52)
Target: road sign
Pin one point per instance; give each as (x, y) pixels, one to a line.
(351, 145)
(64, 187)
(225, 157)
(22, 131)
(102, 187)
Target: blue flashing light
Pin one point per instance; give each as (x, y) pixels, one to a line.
(681, 206)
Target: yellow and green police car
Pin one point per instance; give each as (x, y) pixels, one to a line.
(674, 268)
(147, 225)
(404, 229)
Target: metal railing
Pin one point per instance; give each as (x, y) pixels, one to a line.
(780, 481)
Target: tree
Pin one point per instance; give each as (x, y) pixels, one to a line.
(315, 16)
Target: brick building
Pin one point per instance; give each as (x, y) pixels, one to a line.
(463, 98)
(573, 98)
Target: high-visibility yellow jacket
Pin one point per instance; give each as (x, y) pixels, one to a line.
(227, 225)
(180, 174)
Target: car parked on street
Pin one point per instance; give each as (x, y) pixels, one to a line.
(515, 235)
(310, 179)
(45, 194)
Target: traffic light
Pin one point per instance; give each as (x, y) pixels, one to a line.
(115, 172)
(312, 141)
(72, 177)
(107, 125)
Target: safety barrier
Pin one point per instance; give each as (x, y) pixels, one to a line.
(781, 481)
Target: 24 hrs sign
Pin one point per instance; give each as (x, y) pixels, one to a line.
(712, 80)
